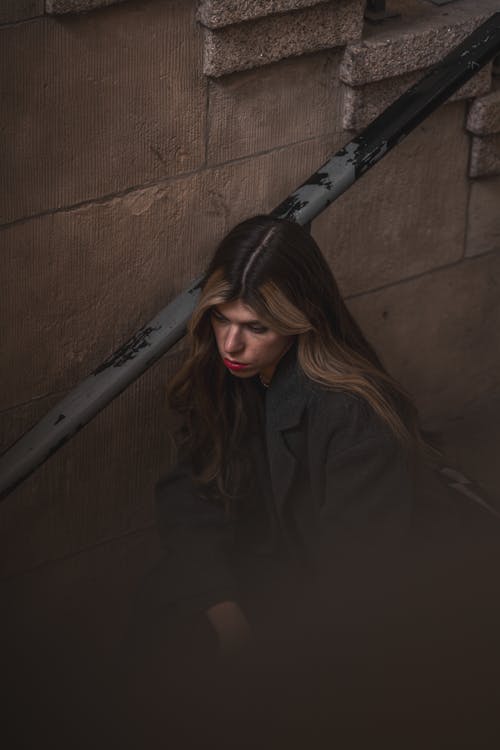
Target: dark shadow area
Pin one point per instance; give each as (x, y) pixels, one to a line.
(397, 652)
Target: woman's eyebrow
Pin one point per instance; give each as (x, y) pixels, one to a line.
(243, 323)
(253, 323)
(218, 312)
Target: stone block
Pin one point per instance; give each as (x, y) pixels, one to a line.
(389, 225)
(484, 115)
(420, 38)
(66, 641)
(20, 10)
(283, 103)
(56, 7)
(81, 605)
(217, 13)
(258, 184)
(435, 334)
(105, 575)
(485, 156)
(103, 111)
(97, 487)
(362, 104)
(483, 227)
(77, 284)
(265, 40)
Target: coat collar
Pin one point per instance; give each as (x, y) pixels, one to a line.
(287, 394)
(285, 404)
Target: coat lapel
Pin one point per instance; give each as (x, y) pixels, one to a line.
(286, 401)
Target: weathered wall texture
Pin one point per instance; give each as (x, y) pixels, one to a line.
(123, 165)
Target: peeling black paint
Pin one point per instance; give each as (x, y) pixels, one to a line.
(129, 350)
(318, 178)
(63, 440)
(393, 125)
(290, 207)
(194, 289)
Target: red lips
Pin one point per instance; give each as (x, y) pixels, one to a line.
(236, 366)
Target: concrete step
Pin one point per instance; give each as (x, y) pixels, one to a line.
(59, 7)
(255, 41)
(394, 55)
(215, 14)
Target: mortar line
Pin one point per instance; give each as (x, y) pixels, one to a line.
(164, 182)
(206, 129)
(12, 24)
(414, 277)
(468, 178)
(62, 392)
(8, 409)
(54, 561)
(467, 209)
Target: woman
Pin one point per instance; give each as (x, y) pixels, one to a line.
(295, 443)
(286, 524)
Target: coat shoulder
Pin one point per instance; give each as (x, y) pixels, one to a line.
(344, 417)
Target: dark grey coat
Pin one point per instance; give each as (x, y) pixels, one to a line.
(339, 481)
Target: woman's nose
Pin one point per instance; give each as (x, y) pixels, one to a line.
(234, 340)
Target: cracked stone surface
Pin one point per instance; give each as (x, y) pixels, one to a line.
(256, 109)
(266, 40)
(432, 328)
(104, 111)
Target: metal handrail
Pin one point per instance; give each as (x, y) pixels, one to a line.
(303, 205)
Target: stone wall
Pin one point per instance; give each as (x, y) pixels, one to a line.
(124, 162)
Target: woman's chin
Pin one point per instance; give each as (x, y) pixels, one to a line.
(247, 373)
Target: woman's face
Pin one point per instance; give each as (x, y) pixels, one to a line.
(246, 345)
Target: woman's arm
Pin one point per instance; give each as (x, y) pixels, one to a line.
(197, 537)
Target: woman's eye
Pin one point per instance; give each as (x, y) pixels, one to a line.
(258, 329)
(218, 316)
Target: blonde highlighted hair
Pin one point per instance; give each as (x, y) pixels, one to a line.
(276, 268)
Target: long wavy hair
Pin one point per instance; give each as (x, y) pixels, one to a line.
(275, 267)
